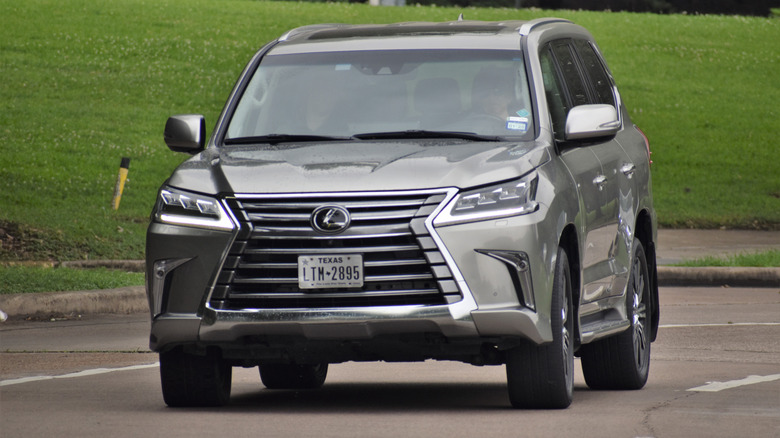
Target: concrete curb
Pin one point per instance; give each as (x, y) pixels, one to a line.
(122, 300)
(133, 299)
(718, 276)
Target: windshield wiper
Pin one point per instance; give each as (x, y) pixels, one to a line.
(283, 138)
(420, 133)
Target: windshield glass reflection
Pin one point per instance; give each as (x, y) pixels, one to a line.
(387, 94)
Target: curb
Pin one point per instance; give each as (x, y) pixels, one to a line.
(132, 299)
(718, 276)
(123, 300)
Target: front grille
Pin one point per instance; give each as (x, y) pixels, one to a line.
(402, 264)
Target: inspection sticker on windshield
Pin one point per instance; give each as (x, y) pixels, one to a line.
(517, 123)
(330, 271)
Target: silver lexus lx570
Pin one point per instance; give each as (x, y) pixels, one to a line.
(467, 191)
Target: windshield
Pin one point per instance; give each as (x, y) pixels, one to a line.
(382, 94)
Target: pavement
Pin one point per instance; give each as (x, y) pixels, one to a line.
(674, 246)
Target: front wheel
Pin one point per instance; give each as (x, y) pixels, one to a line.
(190, 380)
(623, 361)
(542, 376)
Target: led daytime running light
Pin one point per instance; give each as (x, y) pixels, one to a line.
(502, 200)
(494, 196)
(192, 210)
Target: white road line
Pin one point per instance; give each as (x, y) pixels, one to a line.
(726, 324)
(78, 374)
(720, 386)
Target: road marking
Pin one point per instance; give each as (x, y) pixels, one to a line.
(726, 324)
(84, 373)
(720, 386)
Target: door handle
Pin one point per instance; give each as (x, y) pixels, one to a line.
(600, 181)
(628, 170)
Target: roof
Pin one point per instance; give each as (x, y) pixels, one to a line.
(462, 34)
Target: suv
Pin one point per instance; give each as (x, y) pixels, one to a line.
(466, 191)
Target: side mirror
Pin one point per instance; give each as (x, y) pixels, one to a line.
(185, 133)
(592, 121)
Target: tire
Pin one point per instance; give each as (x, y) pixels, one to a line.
(291, 376)
(623, 361)
(542, 376)
(189, 380)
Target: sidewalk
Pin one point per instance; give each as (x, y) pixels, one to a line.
(674, 246)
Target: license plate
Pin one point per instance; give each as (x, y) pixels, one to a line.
(330, 271)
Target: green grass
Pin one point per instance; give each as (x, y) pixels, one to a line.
(769, 259)
(86, 83)
(27, 279)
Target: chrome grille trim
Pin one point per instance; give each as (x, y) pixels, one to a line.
(368, 264)
(350, 295)
(369, 278)
(278, 232)
(313, 205)
(314, 250)
(392, 230)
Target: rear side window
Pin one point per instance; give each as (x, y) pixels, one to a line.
(574, 74)
(599, 79)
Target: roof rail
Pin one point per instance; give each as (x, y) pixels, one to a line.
(526, 28)
(310, 28)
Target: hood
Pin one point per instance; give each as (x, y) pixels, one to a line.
(356, 166)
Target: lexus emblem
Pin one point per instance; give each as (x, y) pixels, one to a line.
(330, 219)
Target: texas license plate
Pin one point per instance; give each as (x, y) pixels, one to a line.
(330, 271)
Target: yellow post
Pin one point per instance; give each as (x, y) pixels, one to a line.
(120, 182)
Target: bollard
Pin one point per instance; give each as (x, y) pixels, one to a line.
(124, 167)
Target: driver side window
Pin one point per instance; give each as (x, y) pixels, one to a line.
(557, 101)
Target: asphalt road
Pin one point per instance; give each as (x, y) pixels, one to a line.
(715, 372)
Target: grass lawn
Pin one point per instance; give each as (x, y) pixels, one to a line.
(768, 259)
(86, 83)
(26, 279)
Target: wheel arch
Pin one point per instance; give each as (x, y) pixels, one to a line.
(570, 244)
(644, 232)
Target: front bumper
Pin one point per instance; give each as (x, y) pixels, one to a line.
(498, 301)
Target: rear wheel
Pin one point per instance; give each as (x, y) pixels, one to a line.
(542, 377)
(191, 380)
(623, 361)
(291, 376)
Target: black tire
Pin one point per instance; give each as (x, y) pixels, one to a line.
(623, 361)
(189, 380)
(291, 376)
(542, 376)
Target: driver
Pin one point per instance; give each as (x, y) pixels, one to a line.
(493, 95)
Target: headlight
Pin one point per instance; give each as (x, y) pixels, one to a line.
(502, 200)
(183, 208)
